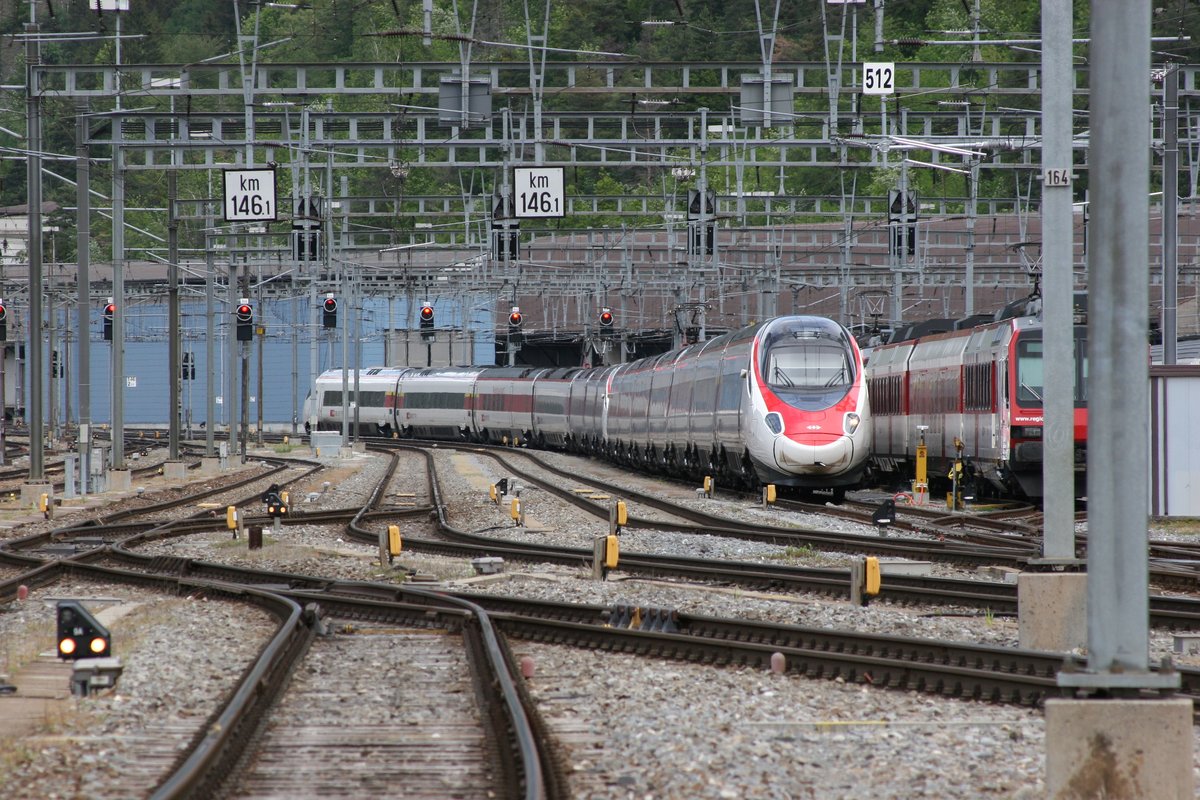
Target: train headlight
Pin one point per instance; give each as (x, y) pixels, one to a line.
(774, 423)
(850, 422)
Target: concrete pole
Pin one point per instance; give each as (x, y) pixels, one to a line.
(1058, 468)
(1170, 224)
(233, 293)
(33, 113)
(173, 332)
(118, 323)
(210, 342)
(1119, 389)
(83, 240)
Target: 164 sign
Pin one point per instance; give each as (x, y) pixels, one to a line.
(250, 195)
(539, 192)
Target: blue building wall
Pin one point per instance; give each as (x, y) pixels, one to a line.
(146, 357)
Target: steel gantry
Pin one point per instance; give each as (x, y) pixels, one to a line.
(377, 125)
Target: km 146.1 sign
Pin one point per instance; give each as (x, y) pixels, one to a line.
(250, 195)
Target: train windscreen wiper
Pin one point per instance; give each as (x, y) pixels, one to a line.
(1029, 389)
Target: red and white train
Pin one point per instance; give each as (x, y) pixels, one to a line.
(783, 402)
(981, 387)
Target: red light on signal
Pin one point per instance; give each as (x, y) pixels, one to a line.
(426, 313)
(244, 312)
(3, 313)
(514, 319)
(606, 319)
(110, 309)
(330, 305)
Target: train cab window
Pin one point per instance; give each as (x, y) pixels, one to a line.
(1030, 373)
(815, 365)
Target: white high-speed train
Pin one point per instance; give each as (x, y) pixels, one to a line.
(782, 402)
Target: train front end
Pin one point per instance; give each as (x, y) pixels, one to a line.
(809, 420)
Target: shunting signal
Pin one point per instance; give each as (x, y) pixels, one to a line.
(80, 635)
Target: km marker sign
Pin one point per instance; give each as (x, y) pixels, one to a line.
(250, 195)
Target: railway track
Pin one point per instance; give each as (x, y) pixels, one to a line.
(372, 614)
(417, 723)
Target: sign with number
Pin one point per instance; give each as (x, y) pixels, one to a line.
(539, 192)
(250, 195)
(1056, 177)
(879, 77)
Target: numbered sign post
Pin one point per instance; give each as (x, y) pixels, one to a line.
(250, 195)
(879, 77)
(539, 192)
(1052, 176)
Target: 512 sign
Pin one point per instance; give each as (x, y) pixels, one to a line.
(250, 195)
(539, 192)
(879, 77)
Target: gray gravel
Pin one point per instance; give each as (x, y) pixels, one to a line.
(634, 727)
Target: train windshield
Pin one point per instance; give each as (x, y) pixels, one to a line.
(808, 361)
(809, 366)
(1031, 375)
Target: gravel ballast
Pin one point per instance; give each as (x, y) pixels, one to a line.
(634, 728)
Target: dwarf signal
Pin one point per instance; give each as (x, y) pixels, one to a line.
(80, 635)
(276, 506)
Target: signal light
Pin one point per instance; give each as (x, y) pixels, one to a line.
(329, 311)
(426, 317)
(606, 318)
(3, 322)
(515, 318)
(276, 508)
(80, 635)
(110, 311)
(245, 321)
